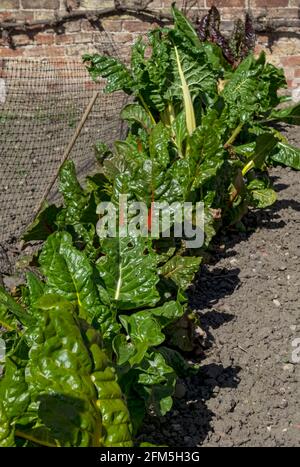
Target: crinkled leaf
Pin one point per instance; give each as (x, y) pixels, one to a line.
(7, 431)
(190, 71)
(73, 387)
(7, 320)
(13, 307)
(265, 143)
(128, 270)
(184, 25)
(74, 197)
(287, 154)
(144, 331)
(13, 387)
(133, 113)
(102, 151)
(114, 413)
(43, 225)
(158, 380)
(159, 144)
(290, 115)
(180, 365)
(70, 275)
(262, 198)
(117, 75)
(207, 152)
(181, 270)
(35, 287)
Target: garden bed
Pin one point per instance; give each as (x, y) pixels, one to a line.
(247, 393)
(101, 330)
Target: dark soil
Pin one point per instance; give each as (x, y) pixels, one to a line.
(247, 392)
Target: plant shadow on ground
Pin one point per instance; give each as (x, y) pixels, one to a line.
(209, 287)
(223, 244)
(189, 422)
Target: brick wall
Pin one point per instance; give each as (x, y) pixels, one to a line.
(76, 37)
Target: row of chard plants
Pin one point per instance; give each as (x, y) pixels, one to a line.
(94, 337)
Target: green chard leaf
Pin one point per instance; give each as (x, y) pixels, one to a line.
(35, 288)
(43, 225)
(14, 308)
(290, 115)
(70, 275)
(7, 431)
(181, 270)
(135, 113)
(265, 143)
(74, 197)
(128, 271)
(286, 154)
(74, 397)
(184, 26)
(117, 75)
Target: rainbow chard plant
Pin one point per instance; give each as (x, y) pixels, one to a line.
(196, 95)
(94, 338)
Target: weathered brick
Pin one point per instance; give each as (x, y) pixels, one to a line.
(228, 3)
(9, 4)
(280, 13)
(135, 26)
(83, 38)
(122, 37)
(69, 4)
(5, 16)
(73, 26)
(188, 5)
(289, 72)
(78, 51)
(271, 3)
(230, 13)
(112, 25)
(293, 60)
(86, 26)
(43, 14)
(63, 39)
(21, 39)
(156, 4)
(297, 73)
(262, 39)
(41, 52)
(168, 3)
(258, 49)
(40, 4)
(286, 46)
(96, 4)
(44, 39)
(3, 42)
(7, 52)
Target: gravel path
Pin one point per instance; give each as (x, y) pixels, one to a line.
(248, 391)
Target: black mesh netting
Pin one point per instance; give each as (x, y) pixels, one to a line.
(41, 103)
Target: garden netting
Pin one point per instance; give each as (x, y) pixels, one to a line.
(41, 103)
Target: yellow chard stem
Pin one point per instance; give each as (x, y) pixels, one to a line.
(171, 113)
(188, 103)
(248, 167)
(147, 108)
(234, 135)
